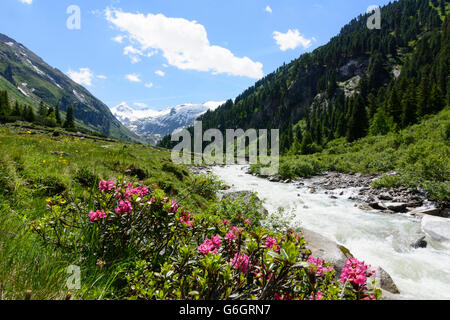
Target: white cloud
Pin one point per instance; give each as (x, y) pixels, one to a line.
(82, 77)
(149, 85)
(291, 40)
(140, 105)
(118, 39)
(100, 76)
(160, 73)
(27, 1)
(165, 65)
(183, 43)
(133, 77)
(269, 9)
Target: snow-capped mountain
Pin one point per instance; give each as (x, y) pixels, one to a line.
(153, 125)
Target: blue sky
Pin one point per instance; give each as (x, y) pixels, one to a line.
(160, 53)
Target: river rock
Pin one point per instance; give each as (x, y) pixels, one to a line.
(377, 206)
(396, 207)
(326, 249)
(430, 211)
(365, 207)
(385, 282)
(421, 243)
(436, 228)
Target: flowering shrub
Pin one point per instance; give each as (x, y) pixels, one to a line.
(171, 253)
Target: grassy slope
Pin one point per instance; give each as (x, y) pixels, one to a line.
(420, 154)
(30, 173)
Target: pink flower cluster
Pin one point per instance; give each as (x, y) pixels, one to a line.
(280, 297)
(272, 244)
(319, 264)
(124, 207)
(97, 215)
(106, 185)
(356, 272)
(174, 207)
(241, 262)
(232, 234)
(130, 191)
(318, 296)
(210, 246)
(186, 219)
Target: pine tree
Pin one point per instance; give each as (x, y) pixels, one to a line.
(437, 99)
(29, 114)
(381, 123)
(423, 97)
(70, 120)
(42, 110)
(409, 112)
(58, 115)
(394, 106)
(4, 103)
(305, 146)
(358, 123)
(16, 111)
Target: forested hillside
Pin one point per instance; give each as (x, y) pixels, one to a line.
(362, 82)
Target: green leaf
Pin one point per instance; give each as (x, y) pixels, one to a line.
(275, 255)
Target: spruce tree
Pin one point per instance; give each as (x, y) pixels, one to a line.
(409, 112)
(42, 109)
(70, 120)
(358, 123)
(16, 111)
(58, 115)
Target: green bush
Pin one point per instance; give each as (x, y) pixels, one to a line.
(159, 250)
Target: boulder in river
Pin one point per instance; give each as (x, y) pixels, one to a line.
(421, 243)
(325, 249)
(385, 282)
(436, 228)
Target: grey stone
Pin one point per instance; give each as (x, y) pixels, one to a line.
(385, 282)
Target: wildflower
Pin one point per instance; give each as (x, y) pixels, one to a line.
(318, 263)
(241, 262)
(186, 219)
(230, 236)
(97, 215)
(356, 272)
(106, 185)
(226, 222)
(124, 207)
(278, 296)
(271, 243)
(210, 246)
(317, 296)
(174, 206)
(247, 222)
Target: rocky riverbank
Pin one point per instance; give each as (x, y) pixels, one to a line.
(357, 187)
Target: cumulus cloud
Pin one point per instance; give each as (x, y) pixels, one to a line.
(183, 43)
(133, 77)
(160, 73)
(291, 40)
(268, 9)
(83, 76)
(27, 1)
(100, 76)
(149, 85)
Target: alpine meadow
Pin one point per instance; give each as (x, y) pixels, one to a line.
(93, 205)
